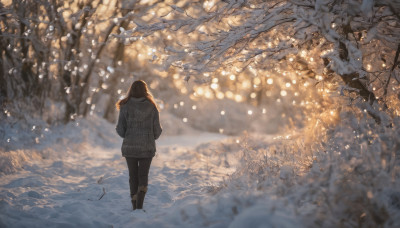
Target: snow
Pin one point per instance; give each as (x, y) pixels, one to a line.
(263, 217)
(367, 7)
(198, 179)
(64, 190)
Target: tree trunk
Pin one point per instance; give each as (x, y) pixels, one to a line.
(118, 56)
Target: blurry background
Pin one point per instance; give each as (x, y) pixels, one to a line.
(219, 66)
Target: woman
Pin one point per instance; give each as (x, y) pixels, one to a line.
(139, 125)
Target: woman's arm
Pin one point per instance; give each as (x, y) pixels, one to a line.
(121, 125)
(157, 129)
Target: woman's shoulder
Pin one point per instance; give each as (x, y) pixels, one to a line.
(123, 107)
(152, 107)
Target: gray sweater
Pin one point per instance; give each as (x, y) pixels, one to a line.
(139, 125)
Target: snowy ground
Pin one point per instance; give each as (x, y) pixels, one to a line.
(67, 188)
(75, 177)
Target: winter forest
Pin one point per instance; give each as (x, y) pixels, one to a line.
(278, 113)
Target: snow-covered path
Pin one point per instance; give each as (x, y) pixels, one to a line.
(89, 187)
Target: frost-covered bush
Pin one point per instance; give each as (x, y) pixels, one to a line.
(356, 178)
(345, 176)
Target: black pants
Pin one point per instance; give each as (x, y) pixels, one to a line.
(138, 173)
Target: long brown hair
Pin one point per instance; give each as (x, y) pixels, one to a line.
(138, 89)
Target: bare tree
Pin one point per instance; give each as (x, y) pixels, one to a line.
(49, 50)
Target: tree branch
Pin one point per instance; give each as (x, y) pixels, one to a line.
(395, 63)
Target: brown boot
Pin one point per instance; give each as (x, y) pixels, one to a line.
(133, 200)
(140, 197)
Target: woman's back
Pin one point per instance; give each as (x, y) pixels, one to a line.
(139, 115)
(139, 126)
